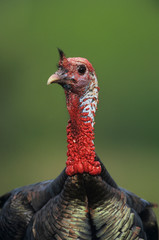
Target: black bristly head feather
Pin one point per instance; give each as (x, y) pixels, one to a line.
(61, 53)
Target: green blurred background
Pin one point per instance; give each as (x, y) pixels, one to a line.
(121, 39)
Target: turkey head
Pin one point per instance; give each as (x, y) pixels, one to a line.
(77, 77)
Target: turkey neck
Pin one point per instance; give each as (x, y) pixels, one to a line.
(80, 132)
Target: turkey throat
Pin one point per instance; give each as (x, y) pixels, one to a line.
(80, 131)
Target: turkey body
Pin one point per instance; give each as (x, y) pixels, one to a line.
(76, 207)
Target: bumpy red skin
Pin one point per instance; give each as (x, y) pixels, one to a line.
(81, 150)
(80, 132)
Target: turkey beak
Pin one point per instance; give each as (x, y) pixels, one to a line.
(53, 79)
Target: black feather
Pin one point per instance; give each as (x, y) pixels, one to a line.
(61, 53)
(77, 207)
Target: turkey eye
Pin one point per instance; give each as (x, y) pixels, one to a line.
(82, 69)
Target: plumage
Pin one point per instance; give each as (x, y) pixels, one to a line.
(83, 202)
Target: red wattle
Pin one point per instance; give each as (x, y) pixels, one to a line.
(80, 135)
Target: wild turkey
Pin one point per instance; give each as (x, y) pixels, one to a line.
(83, 202)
